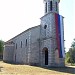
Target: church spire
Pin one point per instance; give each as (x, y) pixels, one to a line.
(51, 6)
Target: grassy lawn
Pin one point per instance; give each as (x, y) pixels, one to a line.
(11, 69)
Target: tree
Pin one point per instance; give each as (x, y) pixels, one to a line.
(73, 44)
(73, 52)
(1, 46)
(70, 55)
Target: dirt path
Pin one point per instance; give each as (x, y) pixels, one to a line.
(10, 69)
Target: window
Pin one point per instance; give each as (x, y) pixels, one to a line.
(16, 45)
(26, 42)
(50, 5)
(45, 26)
(56, 6)
(21, 44)
(46, 8)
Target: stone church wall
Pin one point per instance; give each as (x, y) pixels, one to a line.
(20, 53)
(8, 53)
(34, 46)
(27, 50)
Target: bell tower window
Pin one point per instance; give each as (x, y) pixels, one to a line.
(46, 8)
(56, 6)
(50, 5)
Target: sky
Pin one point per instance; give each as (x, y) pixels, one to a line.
(18, 15)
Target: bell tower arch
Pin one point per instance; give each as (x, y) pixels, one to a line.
(51, 6)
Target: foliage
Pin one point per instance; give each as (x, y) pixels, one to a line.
(70, 55)
(1, 46)
(73, 44)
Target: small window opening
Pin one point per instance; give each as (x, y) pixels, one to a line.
(26, 42)
(45, 26)
(16, 45)
(21, 44)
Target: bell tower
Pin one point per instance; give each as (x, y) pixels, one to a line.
(52, 35)
(51, 6)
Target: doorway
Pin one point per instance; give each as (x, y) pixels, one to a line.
(46, 57)
(45, 54)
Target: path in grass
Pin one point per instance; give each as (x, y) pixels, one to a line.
(11, 69)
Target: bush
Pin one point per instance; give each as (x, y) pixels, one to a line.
(1, 46)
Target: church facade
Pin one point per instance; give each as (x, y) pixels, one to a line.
(41, 45)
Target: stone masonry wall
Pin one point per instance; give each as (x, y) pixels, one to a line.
(48, 38)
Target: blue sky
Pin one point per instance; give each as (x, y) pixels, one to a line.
(19, 15)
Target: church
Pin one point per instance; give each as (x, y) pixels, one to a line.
(42, 45)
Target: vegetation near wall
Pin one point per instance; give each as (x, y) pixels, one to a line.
(1, 48)
(70, 55)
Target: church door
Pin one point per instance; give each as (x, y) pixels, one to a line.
(46, 57)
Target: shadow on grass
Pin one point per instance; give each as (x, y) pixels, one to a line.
(65, 69)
